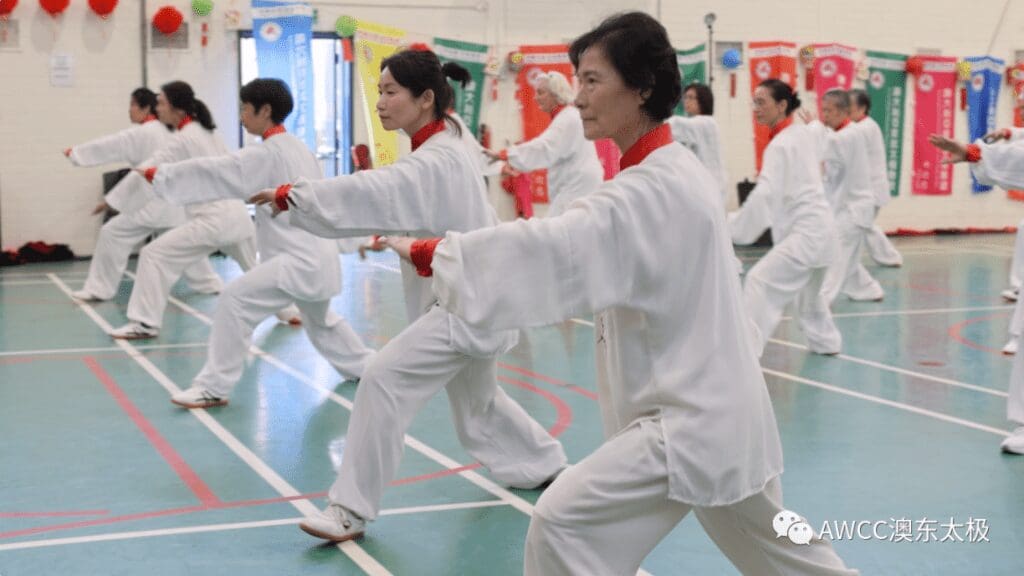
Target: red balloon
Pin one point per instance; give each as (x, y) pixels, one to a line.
(54, 7)
(168, 19)
(914, 65)
(103, 8)
(7, 6)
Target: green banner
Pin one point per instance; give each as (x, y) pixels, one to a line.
(887, 87)
(472, 57)
(693, 65)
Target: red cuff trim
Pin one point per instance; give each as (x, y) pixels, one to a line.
(1007, 133)
(67, 152)
(973, 153)
(150, 173)
(422, 255)
(281, 197)
(503, 155)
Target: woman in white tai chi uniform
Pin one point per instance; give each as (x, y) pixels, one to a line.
(1001, 166)
(789, 199)
(295, 266)
(434, 189)
(571, 160)
(215, 225)
(685, 408)
(698, 131)
(119, 235)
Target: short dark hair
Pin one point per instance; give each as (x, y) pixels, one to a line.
(638, 47)
(780, 91)
(841, 98)
(705, 99)
(861, 99)
(269, 91)
(421, 70)
(145, 98)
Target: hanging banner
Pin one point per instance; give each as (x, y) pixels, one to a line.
(982, 97)
(692, 69)
(374, 43)
(472, 57)
(538, 59)
(1015, 78)
(935, 101)
(834, 68)
(283, 32)
(769, 60)
(887, 88)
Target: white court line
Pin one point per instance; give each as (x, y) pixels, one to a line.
(385, 267)
(482, 482)
(885, 402)
(4, 275)
(4, 282)
(903, 371)
(224, 527)
(43, 351)
(350, 548)
(581, 322)
(912, 311)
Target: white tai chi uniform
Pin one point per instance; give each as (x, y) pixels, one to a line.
(686, 412)
(700, 134)
(435, 189)
(119, 235)
(295, 266)
(878, 245)
(215, 225)
(848, 188)
(571, 160)
(789, 199)
(1003, 166)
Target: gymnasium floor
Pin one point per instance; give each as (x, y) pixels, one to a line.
(100, 474)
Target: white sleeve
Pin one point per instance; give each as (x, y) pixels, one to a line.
(585, 259)
(1001, 166)
(1016, 133)
(549, 147)
(124, 146)
(133, 192)
(755, 215)
(237, 175)
(684, 131)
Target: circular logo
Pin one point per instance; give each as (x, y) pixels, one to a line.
(828, 68)
(533, 75)
(764, 69)
(877, 79)
(978, 82)
(271, 31)
(926, 83)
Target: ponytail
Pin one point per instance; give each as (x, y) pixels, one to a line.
(202, 115)
(780, 91)
(180, 96)
(457, 73)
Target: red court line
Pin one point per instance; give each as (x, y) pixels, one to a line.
(549, 380)
(102, 521)
(954, 333)
(177, 463)
(561, 408)
(434, 475)
(53, 514)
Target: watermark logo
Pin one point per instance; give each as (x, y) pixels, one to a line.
(792, 526)
(798, 530)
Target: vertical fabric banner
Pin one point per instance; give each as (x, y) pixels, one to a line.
(769, 60)
(834, 67)
(536, 60)
(1015, 76)
(283, 32)
(692, 68)
(374, 43)
(982, 97)
(472, 57)
(935, 98)
(887, 88)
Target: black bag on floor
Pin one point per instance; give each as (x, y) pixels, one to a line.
(43, 252)
(743, 189)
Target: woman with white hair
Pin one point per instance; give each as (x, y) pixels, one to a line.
(571, 161)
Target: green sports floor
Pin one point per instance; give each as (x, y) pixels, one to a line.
(897, 438)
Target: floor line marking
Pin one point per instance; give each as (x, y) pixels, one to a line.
(45, 351)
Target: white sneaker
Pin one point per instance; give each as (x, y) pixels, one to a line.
(1014, 443)
(1011, 346)
(1010, 294)
(334, 523)
(83, 296)
(289, 315)
(196, 397)
(135, 331)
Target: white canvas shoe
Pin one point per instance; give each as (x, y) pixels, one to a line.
(1010, 294)
(334, 523)
(135, 331)
(1014, 443)
(196, 397)
(83, 296)
(1011, 346)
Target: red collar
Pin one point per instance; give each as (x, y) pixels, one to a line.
(647, 143)
(273, 131)
(424, 134)
(556, 110)
(843, 125)
(184, 122)
(148, 118)
(774, 131)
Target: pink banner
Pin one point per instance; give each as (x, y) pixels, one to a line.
(769, 60)
(834, 67)
(609, 155)
(935, 97)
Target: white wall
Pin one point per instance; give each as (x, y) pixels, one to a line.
(42, 197)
